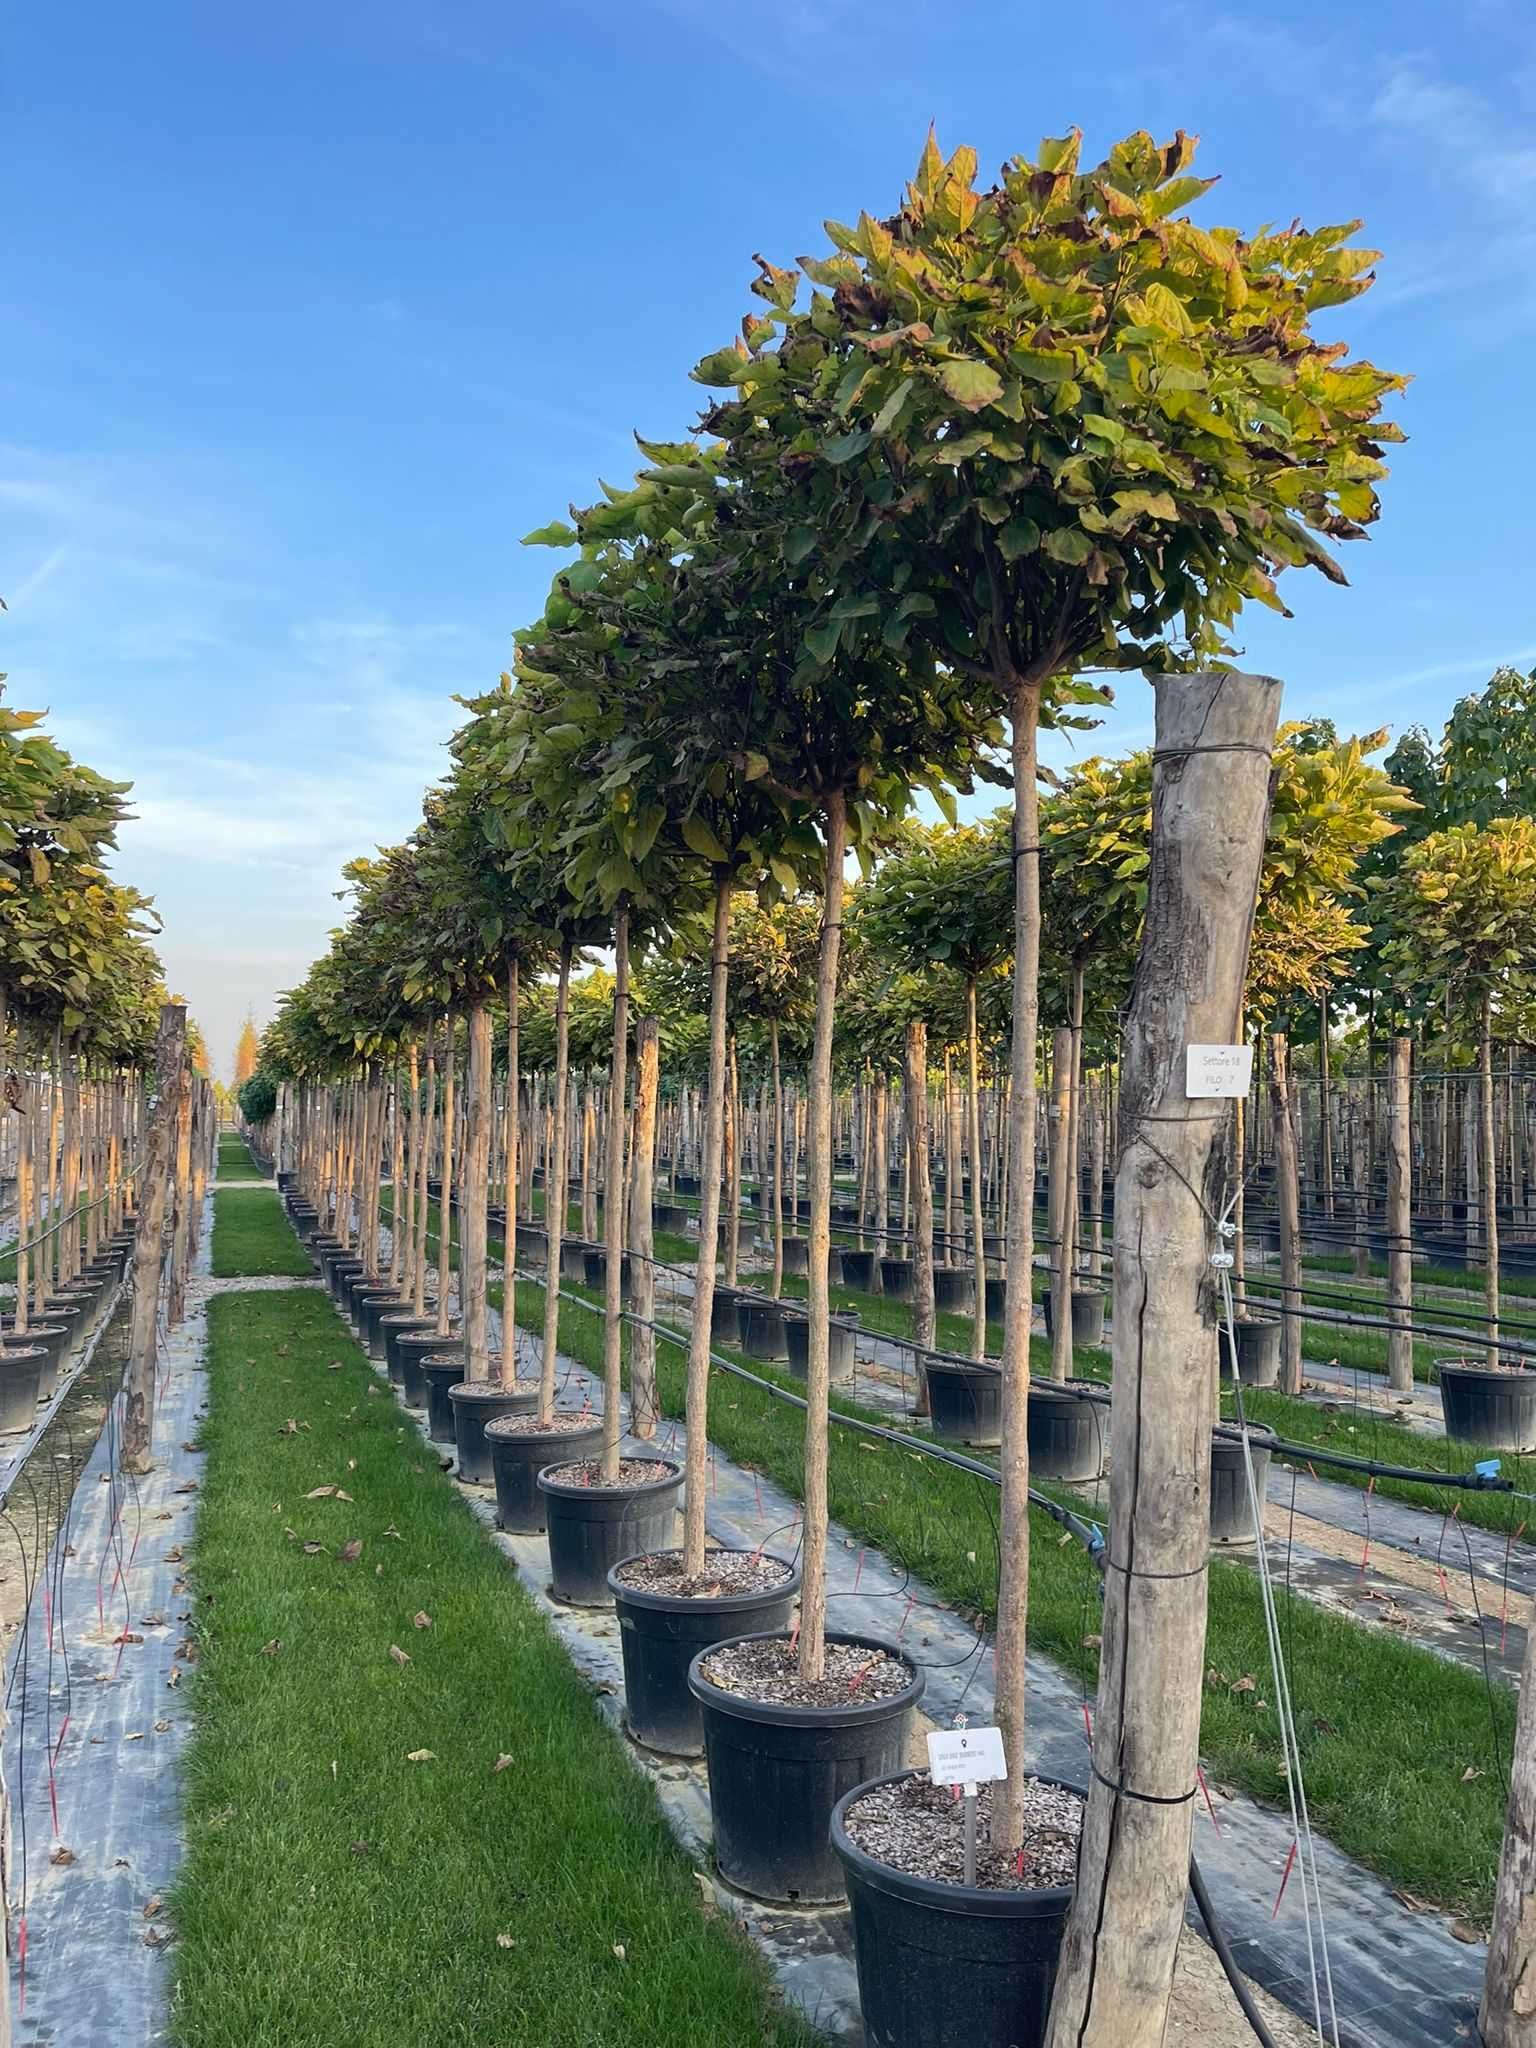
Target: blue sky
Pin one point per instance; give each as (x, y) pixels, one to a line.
(313, 311)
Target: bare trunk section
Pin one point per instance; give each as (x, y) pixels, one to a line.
(696, 1485)
(1058, 1138)
(1288, 1209)
(508, 1360)
(1400, 1214)
(1210, 804)
(1488, 1161)
(973, 1117)
(445, 1196)
(920, 1206)
(644, 1409)
(554, 1189)
(149, 1246)
(813, 1601)
(476, 1195)
(613, 1208)
(1508, 2015)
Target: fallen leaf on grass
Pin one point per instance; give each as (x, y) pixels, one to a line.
(421, 1620)
(1414, 1905)
(1463, 1930)
(500, 1764)
(618, 1949)
(505, 1941)
(707, 1901)
(1093, 1642)
(1471, 1773)
(271, 1649)
(152, 1909)
(349, 1553)
(334, 1365)
(321, 1493)
(393, 1531)
(289, 1428)
(421, 1756)
(154, 1938)
(1241, 1685)
(399, 1655)
(313, 1549)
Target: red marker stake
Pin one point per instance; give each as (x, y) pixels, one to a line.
(1285, 1879)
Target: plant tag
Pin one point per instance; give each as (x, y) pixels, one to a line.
(966, 1756)
(1217, 1070)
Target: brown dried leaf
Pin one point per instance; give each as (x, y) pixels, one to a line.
(321, 1493)
(273, 1648)
(1471, 1773)
(349, 1553)
(421, 1620)
(399, 1655)
(1241, 1685)
(1414, 1905)
(288, 1428)
(420, 1756)
(618, 1949)
(501, 1764)
(312, 1549)
(505, 1941)
(62, 1856)
(1463, 1930)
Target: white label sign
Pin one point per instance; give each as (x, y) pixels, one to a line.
(966, 1756)
(1216, 1070)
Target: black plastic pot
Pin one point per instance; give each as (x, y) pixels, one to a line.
(441, 1371)
(596, 1264)
(573, 1260)
(518, 1458)
(687, 1183)
(744, 1233)
(670, 1216)
(965, 1398)
(52, 1339)
(474, 1403)
(861, 1272)
(410, 1352)
(377, 1294)
(725, 1316)
(1448, 1250)
(945, 1964)
(776, 1773)
(1258, 1351)
(532, 1246)
(592, 1527)
(762, 1329)
(353, 1286)
(1493, 1408)
(400, 1324)
(896, 1279)
(997, 1299)
(1088, 1306)
(371, 1320)
(954, 1290)
(1232, 1516)
(1068, 1432)
(21, 1373)
(305, 1218)
(841, 1360)
(661, 1634)
(337, 1270)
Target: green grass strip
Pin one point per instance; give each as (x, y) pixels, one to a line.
(235, 1161)
(1387, 1729)
(252, 1238)
(336, 1892)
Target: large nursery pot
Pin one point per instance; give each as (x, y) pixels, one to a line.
(661, 1633)
(595, 1262)
(842, 1361)
(762, 1328)
(353, 1286)
(687, 1184)
(1258, 1351)
(380, 1295)
(896, 1279)
(518, 1456)
(954, 1290)
(474, 1404)
(777, 1771)
(1068, 1431)
(941, 1965)
(725, 1316)
(591, 1526)
(573, 1259)
(372, 1320)
(965, 1398)
(1232, 1516)
(408, 1352)
(404, 1323)
(1484, 1405)
(861, 1271)
(670, 1216)
(21, 1373)
(1088, 1306)
(52, 1339)
(441, 1370)
(532, 1251)
(997, 1299)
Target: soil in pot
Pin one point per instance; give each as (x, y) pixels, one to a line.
(409, 1351)
(665, 1620)
(941, 1961)
(782, 1753)
(593, 1526)
(474, 1403)
(521, 1446)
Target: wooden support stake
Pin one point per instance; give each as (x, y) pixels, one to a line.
(149, 1246)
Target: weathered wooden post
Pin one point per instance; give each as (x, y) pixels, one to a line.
(644, 1411)
(1209, 813)
(1288, 1209)
(1400, 1215)
(476, 1194)
(149, 1247)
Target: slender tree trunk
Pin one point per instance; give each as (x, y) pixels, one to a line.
(882, 1166)
(1400, 1214)
(1058, 1136)
(613, 1207)
(644, 1409)
(1508, 2015)
(445, 1197)
(813, 1598)
(181, 1214)
(978, 1192)
(1210, 803)
(508, 1358)
(1489, 1163)
(920, 1211)
(778, 1160)
(732, 1166)
(1009, 1650)
(149, 1248)
(696, 1484)
(473, 1266)
(1325, 1105)
(1288, 1206)
(554, 1189)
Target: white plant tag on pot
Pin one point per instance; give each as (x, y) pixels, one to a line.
(966, 1756)
(1216, 1070)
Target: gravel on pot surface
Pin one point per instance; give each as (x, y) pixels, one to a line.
(1513, 1372)
(567, 1423)
(919, 1827)
(632, 1472)
(768, 1670)
(494, 1389)
(725, 1572)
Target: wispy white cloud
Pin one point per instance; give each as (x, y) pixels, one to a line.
(1470, 138)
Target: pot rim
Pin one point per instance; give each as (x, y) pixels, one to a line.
(952, 1362)
(1499, 1375)
(19, 1354)
(783, 1713)
(1260, 1435)
(720, 1603)
(590, 1425)
(1091, 1391)
(487, 1390)
(671, 1470)
(981, 1901)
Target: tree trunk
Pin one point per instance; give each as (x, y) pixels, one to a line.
(978, 1193)
(777, 1287)
(613, 1207)
(1018, 1307)
(1508, 2015)
(476, 1195)
(1209, 813)
(445, 1194)
(1489, 1164)
(1400, 1215)
(149, 1246)
(1288, 1207)
(510, 1165)
(920, 1208)
(1325, 1107)
(1058, 1135)
(644, 1410)
(181, 1214)
(696, 1483)
(554, 1189)
(813, 1598)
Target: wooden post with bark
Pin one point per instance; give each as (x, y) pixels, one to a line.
(920, 1207)
(613, 1207)
(149, 1246)
(696, 1398)
(476, 1194)
(1214, 736)
(1059, 1139)
(555, 1196)
(181, 1219)
(1287, 1208)
(1400, 1215)
(644, 1411)
(1508, 2015)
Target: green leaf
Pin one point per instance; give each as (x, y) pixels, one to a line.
(1018, 537)
(971, 384)
(556, 535)
(799, 542)
(844, 447)
(698, 837)
(1068, 544)
(822, 641)
(890, 412)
